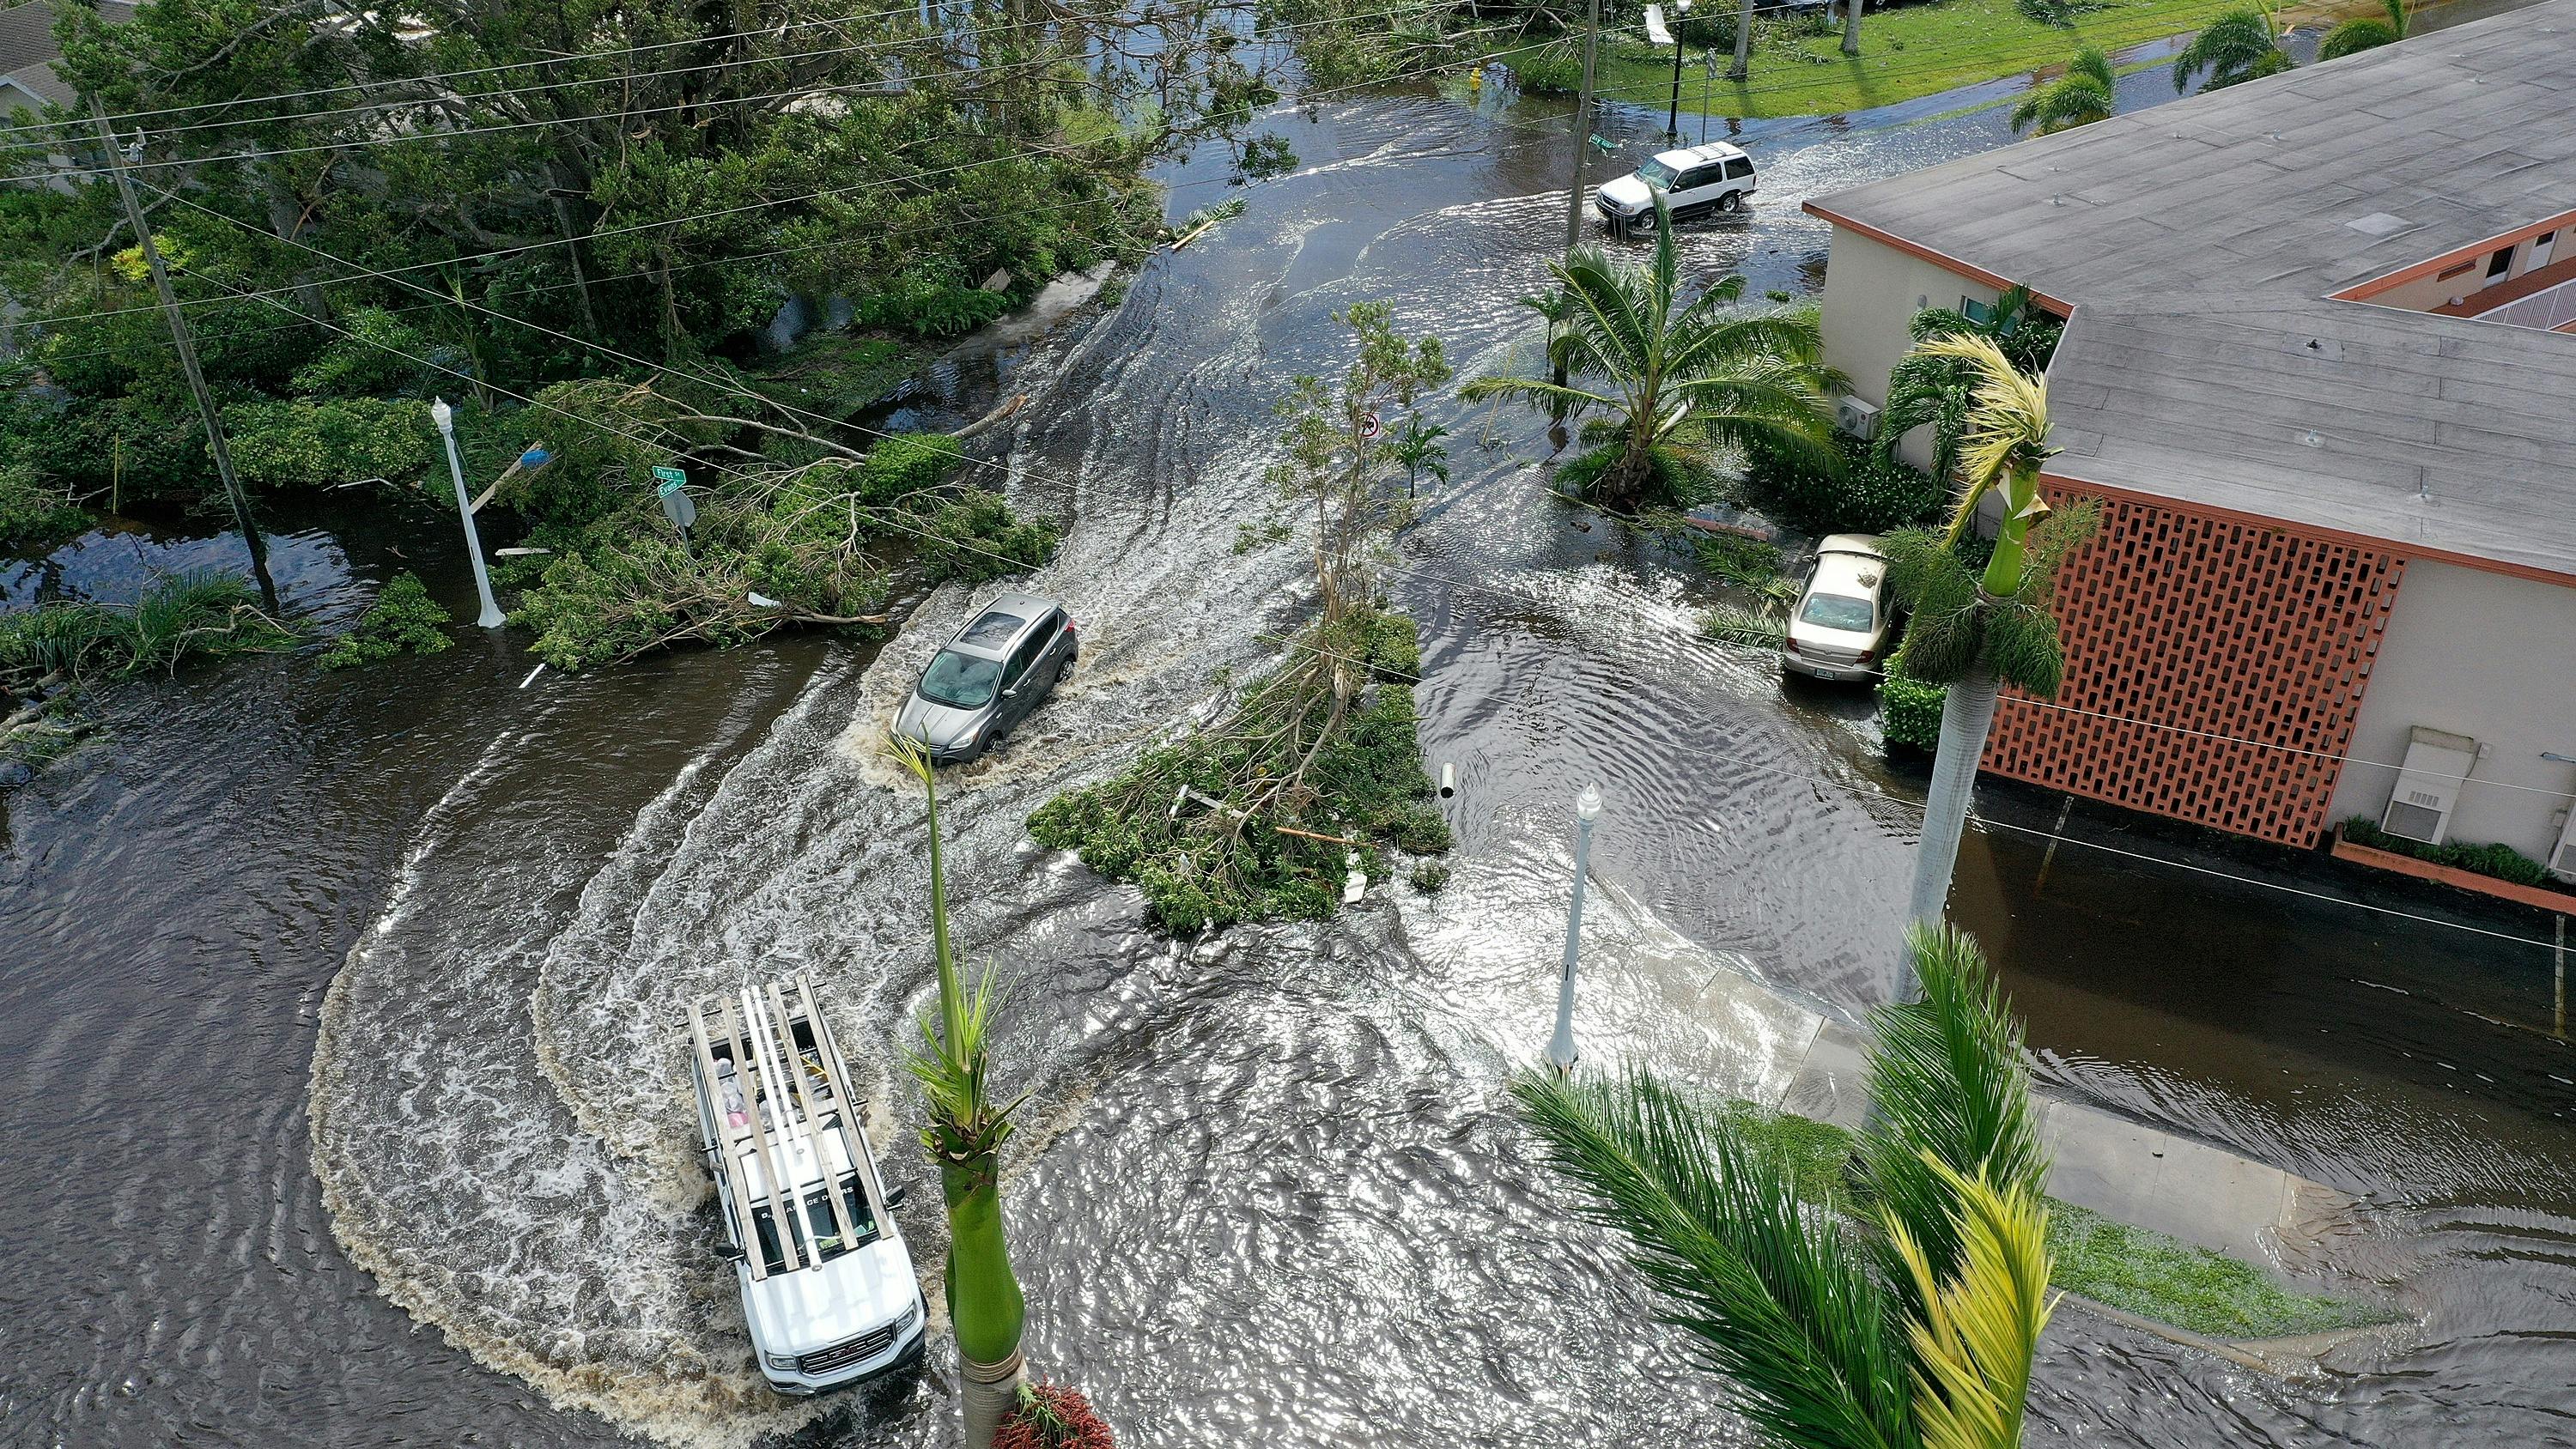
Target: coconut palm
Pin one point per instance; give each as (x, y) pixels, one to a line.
(1935, 391)
(964, 1136)
(2365, 34)
(2088, 92)
(1973, 631)
(2239, 46)
(1654, 362)
(1919, 1329)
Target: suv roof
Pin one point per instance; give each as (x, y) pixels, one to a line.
(800, 1122)
(1683, 156)
(1028, 609)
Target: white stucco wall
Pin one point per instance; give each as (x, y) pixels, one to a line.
(2487, 656)
(1872, 291)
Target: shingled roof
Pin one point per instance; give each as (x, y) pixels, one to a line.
(2198, 245)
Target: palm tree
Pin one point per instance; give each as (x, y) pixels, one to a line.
(1974, 632)
(964, 1136)
(1851, 27)
(2088, 92)
(2365, 34)
(1918, 1330)
(1417, 449)
(2239, 46)
(1741, 378)
(1924, 389)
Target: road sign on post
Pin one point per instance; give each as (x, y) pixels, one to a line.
(668, 482)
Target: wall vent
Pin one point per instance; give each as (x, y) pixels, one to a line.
(2428, 785)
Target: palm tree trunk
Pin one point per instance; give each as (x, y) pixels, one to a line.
(1743, 44)
(985, 1309)
(1966, 718)
(1851, 27)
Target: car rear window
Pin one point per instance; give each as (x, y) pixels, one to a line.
(1838, 611)
(992, 631)
(960, 681)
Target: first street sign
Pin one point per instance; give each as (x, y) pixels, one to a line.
(668, 481)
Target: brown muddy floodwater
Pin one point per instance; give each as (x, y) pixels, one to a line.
(343, 1106)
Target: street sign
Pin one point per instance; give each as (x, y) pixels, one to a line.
(669, 480)
(1369, 425)
(677, 507)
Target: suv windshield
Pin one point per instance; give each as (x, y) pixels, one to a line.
(818, 1240)
(1837, 611)
(960, 681)
(1655, 174)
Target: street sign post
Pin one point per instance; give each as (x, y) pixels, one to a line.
(668, 483)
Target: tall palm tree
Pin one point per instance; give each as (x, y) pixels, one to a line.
(2088, 92)
(1851, 27)
(964, 1136)
(1924, 389)
(1974, 632)
(2236, 47)
(1917, 1331)
(2365, 34)
(1655, 362)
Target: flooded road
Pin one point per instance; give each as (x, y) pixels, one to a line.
(345, 1107)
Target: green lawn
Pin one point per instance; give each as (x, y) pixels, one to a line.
(2134, 1269)
(1909, 52)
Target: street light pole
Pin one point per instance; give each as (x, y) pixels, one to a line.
(1673, 116)
(445, 417)
(1560, 1047)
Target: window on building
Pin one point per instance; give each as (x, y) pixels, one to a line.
(1976, 311)
(2540, 249)
(2499, 264)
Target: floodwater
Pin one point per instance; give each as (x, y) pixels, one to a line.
(345, 1106)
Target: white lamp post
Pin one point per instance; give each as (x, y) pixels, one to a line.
(445, 417)
(1560, 1047)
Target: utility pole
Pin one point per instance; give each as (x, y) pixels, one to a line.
(117, 160)
(1574, 184)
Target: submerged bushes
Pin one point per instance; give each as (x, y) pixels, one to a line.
(188, 616)
(1864, 494)
(403, 619)
(1272, 801)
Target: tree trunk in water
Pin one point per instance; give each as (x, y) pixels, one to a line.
(1966, 717)
(1851, 27)
(985, 1309)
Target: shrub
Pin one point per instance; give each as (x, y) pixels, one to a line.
(367, 361)
(1863, 495)
(1744, 562)
(910, 463)
(1677, 480)
(403, 618)
(186, 615)
(1053, 1416)
(1430, 877)
(316, 444)
(2503, 862)
(32, 516)
(1555, 71)
(1909, 711)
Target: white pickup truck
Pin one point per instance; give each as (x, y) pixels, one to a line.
(827, 1284)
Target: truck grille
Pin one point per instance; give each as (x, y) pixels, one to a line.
(840, 1355)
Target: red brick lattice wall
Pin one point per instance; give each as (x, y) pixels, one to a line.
(2205, 624)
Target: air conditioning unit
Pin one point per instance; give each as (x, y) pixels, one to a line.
(2428, 785)
(2562, 857)
(1857, 417)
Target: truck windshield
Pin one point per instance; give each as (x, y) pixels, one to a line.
(1837, 611)
(960, 681)
(818, 1240)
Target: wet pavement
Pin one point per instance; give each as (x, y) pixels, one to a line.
(347, 1108)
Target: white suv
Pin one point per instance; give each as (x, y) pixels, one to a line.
(1714, 177)
(831, 1299)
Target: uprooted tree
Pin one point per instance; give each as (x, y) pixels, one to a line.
(1315, 763)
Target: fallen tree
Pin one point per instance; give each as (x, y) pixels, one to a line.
(1315, 769)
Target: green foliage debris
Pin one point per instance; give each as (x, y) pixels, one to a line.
(404, 619)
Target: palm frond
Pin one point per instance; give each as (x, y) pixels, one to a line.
(1948, 1081)
(1773, 1292)
(2007, 419)
(1980, 1327)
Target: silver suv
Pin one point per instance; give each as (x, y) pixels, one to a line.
(1693, 179)
(828, 1290)
(987, 679)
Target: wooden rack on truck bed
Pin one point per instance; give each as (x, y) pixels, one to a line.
(780, 1104)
